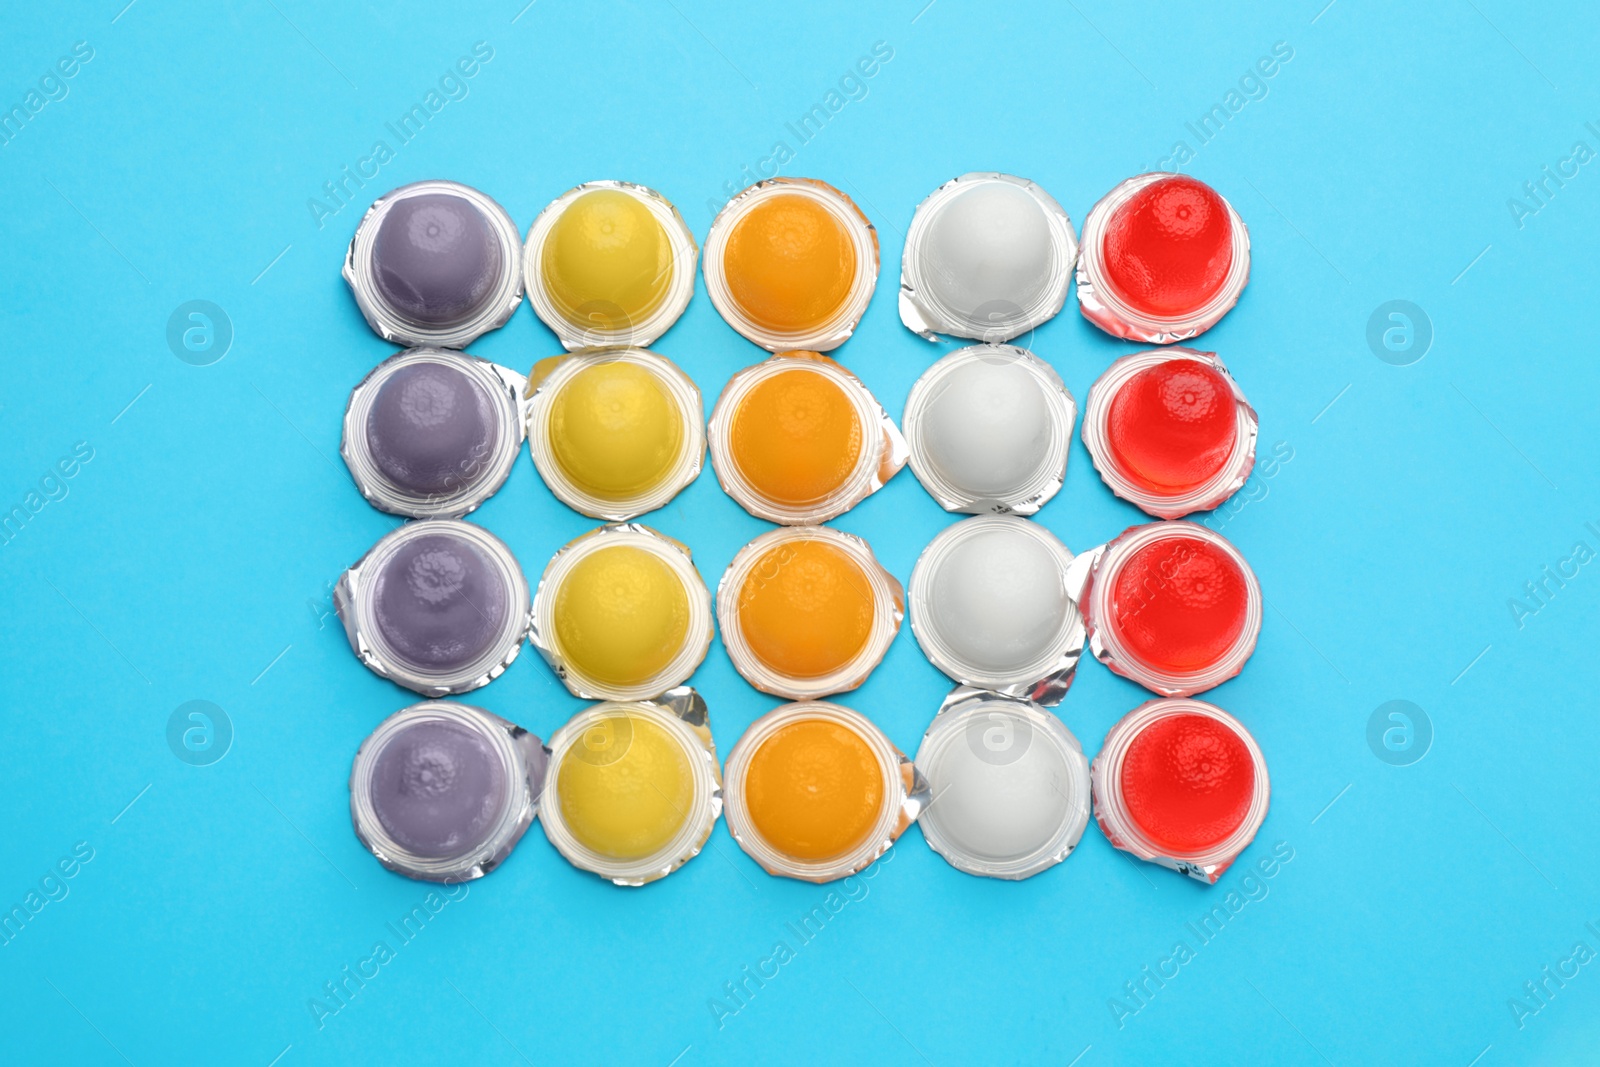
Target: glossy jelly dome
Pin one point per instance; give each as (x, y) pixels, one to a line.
(988, 252)
(998, 600)
(1172, 426)
(625, 787)
(1179, 604)
(615, 430)
(607, 260)
(814, 790)
(988, 429)
(431, 429)
(440, 602)
(1168, 249)
(438, 789)
(796, 436)
(999, 805)
(806, 609)
(789, 262)
(1187, 782)
(436, 260)
(621, 615)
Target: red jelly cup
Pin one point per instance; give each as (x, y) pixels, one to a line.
(1164, 257)
(1180, 783)
(1170, 431)
(1173, 606)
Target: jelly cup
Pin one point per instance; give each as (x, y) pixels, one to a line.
(1178, 259)
(791, 263)
(622, 614)
(614, 432)
(1010, 786)
(807, 611)
(432, 433)
(989, 429)
(1170, 431)
(988, 256)
(443, 791)
(991, 607)
(1181, 783)
(816, 792)
(1173, 606)
(798, 440)
(609, 263)
(633, 789)
(439, 606)
(435, 263)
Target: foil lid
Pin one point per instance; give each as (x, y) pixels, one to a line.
(353, 600)
(882, 456)
(547, 379)
(1000, 731)
(682, 712)
(906, 794)
(923, 276)
(953, 489)
(884, 590)
(675, 554)
(1111, 811)
(1229, 478)
(1100, 303)
(589, 328)
(523, 760)
(1094, 597)
(943, 621)
(480, 477)
(392, 326)
(828, 335)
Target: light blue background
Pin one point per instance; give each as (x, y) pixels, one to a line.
(197, 547)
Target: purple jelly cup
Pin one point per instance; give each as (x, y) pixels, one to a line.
(439, 606)
(443, 792)
(432, 433)
(435, 263)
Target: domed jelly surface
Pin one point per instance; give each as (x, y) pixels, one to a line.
(431, 429)
(796, 436)
(440, 602)
(615, 429)
(998, 600)
(789, 263)
(621, 614)
(438, 789)
(1179, 604)
(607, 260)
(1188, 781)
(806, 609)
(987, 430)
(814, 789)
(435, 259)
(988, 252)
(625, 787)
(999, 806)
(1172, 426)
(1168, 248)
